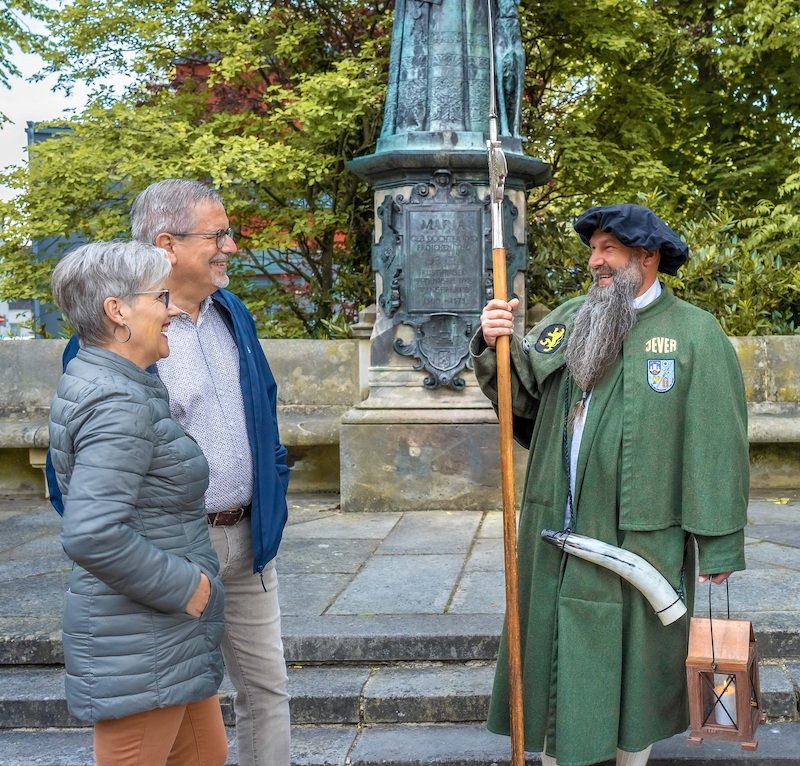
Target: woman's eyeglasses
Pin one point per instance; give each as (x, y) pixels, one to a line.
(163, 295)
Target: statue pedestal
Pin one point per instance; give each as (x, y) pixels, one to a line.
(425, 437)
(408, 449)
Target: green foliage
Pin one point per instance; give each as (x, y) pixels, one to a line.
(689, 106)
(751, 292)
(15, 17)
(271, 123)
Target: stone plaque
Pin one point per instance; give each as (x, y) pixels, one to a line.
(444, 272)
(435, 260)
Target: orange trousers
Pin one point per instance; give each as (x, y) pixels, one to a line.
(182, 735)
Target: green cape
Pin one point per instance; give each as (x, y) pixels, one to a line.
(663, 464)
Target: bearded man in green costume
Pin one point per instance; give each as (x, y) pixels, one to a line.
(631, 403)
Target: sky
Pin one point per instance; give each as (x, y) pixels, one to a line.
(25, 101)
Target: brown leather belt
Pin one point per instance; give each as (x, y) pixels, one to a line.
(228, 518)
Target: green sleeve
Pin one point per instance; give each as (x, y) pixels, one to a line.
(524, 396)
(721, 553)
(524, 390)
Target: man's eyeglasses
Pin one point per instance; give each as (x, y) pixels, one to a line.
(219, 235)
(163, 295)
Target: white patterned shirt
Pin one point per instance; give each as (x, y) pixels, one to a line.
(202, 377)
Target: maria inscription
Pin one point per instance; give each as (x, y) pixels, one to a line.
(445, 275)
(434, 258)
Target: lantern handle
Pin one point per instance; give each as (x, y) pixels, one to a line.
(711, 622)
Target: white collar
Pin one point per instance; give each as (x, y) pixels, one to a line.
(646, 298)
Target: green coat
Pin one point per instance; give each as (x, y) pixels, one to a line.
(663, 461)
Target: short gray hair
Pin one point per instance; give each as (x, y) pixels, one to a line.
(168, 206)
(86, 276)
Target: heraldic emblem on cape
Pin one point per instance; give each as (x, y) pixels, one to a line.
(661, 374)
(550, 338)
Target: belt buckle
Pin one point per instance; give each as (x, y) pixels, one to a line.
(241, 510)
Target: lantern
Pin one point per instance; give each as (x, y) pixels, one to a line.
(722, 675)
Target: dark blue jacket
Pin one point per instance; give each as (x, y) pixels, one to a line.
(260, 396)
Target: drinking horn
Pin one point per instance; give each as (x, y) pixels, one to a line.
(638, 572)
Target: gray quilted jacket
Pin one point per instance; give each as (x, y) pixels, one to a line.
(135, 527)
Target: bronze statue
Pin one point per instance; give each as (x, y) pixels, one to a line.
(439, 69)
(509, 67)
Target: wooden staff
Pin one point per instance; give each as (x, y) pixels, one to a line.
(498, 171)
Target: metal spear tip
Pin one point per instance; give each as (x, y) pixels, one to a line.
(498, 170)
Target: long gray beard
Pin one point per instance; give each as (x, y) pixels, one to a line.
(601, 326)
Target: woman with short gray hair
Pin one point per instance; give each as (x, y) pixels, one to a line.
(143, 615)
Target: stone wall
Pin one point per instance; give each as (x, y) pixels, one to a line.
(319, 381)
(772, 384)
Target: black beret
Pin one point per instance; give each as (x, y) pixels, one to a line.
(636, 226)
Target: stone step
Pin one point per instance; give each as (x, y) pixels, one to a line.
(33, 697)
(410, 745)
(372, 638)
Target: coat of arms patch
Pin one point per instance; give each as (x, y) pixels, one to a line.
(550, 338)
(661, 374)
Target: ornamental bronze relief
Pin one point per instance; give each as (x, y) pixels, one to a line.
(434, 257)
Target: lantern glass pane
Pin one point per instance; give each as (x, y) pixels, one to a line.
(718, 699)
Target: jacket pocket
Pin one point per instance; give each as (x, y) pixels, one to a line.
(213, 617)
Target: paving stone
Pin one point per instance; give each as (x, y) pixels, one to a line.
(34, 697)
(480, 592)
(18, 533)
(321, 745)
(463, 623)
(345, 526)
(782, 534)
(323, 695)
(762, 555)
(311, 746)
(777, 508)
(33, 565)
(46, 748)
(311, 504)
(31, 640)
(455, 745)
(777, 633)
(36, 595)
(326, 555)
(486, 555)
(754, 590)
(793, 669)
(415, 692)
(309, 593)
(492, 526)
(390, 638)
(402, 584)
(778, 745)
(432, 532)
(777, 691)
(473, 745)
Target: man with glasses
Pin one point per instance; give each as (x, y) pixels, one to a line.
(222, 392)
